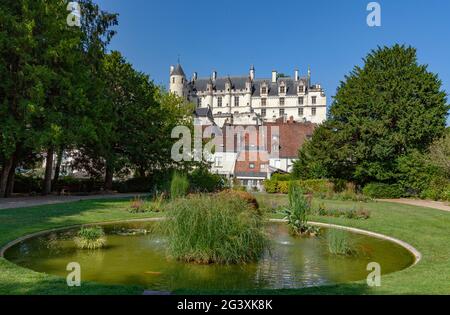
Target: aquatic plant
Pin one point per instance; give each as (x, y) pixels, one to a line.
(297, 212)
(90, 238)
(209, 229)
(339, 242)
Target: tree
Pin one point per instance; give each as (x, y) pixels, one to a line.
(381, 112)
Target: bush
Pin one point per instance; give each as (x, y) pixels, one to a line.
(90, 238)
(201, 180)
(26, 184)
(439, 189)
(380, 190)
(283, 187)
(243, 195)
(214, 229)
(137, 184)
(282, 177)
(271, 186)
(179, 186)
(360, 213)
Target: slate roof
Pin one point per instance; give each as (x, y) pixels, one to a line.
(238, 83)
(178, 70)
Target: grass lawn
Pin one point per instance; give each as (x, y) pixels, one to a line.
(426, 229)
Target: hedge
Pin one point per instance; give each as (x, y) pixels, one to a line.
(381, 190)
(314, 186)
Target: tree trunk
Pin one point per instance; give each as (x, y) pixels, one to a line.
(109, 177)
(11, 176)
(7, 165)
(48, 172)
(58, 164)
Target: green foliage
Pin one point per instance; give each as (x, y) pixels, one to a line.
(380, 190)
(297, 212)
(137, 184)
(179, 186)
(90, 238)
(201, 180)
(381, 112)
(312, 186)
(360, 213)
(214, 229)
(339, 242)
(281, 177)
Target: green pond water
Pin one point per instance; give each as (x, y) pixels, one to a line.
(135, 257)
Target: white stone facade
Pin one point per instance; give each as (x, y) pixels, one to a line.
(247, 99)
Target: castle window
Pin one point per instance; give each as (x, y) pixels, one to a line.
(300, 101)
(300, 111)
(173, 80)
(182, 80)
(199, 102)
(219, 113)
(263, 90)
(314, 100)
(263, 102)
(263, 112)
(281, 101)
(236, 101)
(281, 111)
(313, 111)
(282, 89)
(301, 89)
(219, 101)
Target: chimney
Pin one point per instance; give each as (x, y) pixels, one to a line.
(296, 76)
(252, 73)
(274, 76)
(214, 75)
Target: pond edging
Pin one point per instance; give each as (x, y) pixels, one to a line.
(417, 255)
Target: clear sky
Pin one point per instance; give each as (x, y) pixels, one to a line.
(229, 35)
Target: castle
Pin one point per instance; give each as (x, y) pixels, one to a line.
(233, 99)
(286, 108)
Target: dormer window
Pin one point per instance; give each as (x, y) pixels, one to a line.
(301, 89)
(282, 89)
(264, 90)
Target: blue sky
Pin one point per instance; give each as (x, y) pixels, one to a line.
(229, 35)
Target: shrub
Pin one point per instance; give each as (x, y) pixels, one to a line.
(137, 184)
(90, 238)
(271, 186)
(201, 180)
(358, 214)
(214, 229)
(179, 186)
(27, 184)
(283, 187)
(282, 177)
(339, 243)
(297, 212)
(439, 189)
(380, 190)
(243, 195)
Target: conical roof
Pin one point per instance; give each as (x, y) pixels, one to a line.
(178, 70)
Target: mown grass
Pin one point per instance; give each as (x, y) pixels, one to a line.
(426, 229)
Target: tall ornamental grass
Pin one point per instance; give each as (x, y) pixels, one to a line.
(207, 229)
(179, 186)
(339, 242)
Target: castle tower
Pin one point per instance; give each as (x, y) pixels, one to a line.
(177, 80)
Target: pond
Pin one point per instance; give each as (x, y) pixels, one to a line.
(136, 255)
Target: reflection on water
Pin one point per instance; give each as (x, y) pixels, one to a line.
(136, 255)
